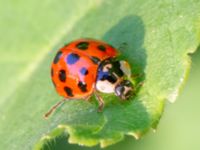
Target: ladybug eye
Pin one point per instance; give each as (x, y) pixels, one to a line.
(124, 89)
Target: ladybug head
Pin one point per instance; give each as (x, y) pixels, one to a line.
(111, 78)
(124, 89)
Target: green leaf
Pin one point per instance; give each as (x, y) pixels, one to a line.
(154, 36)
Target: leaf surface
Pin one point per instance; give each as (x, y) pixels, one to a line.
(155, 37)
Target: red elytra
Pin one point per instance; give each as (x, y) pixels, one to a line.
(74, 69)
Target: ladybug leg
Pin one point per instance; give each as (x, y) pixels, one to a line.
(100, 100)
(88, 98)
(53, 108)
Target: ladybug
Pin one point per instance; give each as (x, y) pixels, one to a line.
(87, 66)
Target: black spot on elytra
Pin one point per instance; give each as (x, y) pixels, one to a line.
(84, 71)
(101, 48)
(62, 75)
(68, 91)
(72, 58)
(82, 86)
(52, 72)
(82, 45)
(57, 57)
(95, 60)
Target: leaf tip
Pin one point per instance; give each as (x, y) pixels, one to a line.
(46, 137)
(107, 142)
(154, 130)
(137, 134)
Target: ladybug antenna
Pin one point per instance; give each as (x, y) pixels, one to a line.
(53, 108)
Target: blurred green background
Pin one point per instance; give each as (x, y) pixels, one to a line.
(27, 34)
(179, 127)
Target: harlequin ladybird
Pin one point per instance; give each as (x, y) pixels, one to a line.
(87, 66)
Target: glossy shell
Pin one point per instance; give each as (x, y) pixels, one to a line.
(74, 69)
